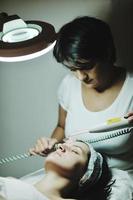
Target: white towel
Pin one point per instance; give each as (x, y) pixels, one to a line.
(15, 189)
(122, 189)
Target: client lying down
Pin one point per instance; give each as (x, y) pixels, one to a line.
(73, 171)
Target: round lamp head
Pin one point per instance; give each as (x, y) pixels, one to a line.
(23, 40)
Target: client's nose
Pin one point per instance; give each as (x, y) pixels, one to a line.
(61, 147)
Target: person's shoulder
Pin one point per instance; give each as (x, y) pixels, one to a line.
(122, 186)
(69, 78)
(130, 74)
(120, 174)
(66, 84)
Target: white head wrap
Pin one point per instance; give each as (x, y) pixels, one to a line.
(94, 170)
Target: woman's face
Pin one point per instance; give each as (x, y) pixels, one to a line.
(96, 77)
(69, 160)
(90, 78)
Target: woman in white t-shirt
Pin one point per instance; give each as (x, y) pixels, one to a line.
(95, 91)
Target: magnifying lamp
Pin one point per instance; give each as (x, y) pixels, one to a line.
(23, 40)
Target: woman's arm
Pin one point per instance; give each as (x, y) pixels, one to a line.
(44, 144)
(58, 133)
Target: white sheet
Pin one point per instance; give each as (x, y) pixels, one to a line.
(33, 177)
(16, 189)
(121, 190)
(23, 187)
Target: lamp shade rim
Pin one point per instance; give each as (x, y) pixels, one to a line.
(45, 37)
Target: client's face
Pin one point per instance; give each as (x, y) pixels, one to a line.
(69, 160)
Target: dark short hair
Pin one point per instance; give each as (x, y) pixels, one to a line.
(85, 38)
(100, 190)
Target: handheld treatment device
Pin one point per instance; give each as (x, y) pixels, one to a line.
(110, 124)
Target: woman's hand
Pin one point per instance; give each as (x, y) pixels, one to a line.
(43, 146)
(129, 116)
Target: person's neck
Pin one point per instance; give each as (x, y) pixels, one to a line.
(53, 186)
(116, 74)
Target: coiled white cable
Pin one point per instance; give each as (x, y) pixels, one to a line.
(78, 135)
(20, 156)
(14, 158)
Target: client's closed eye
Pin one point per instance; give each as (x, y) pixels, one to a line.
(75, 151)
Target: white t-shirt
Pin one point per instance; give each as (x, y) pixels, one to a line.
(119, 149)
